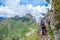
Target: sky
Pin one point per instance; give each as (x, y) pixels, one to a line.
(10, 8)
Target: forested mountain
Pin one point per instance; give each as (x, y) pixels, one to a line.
(16, 28)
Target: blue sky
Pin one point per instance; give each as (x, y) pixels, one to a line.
(10, 8)
(34, 2)
(2, 3)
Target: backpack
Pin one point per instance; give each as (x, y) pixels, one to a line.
(42, 23)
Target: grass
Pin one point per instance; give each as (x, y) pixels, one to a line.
(10, 29)
(50, 32)
(34, 36)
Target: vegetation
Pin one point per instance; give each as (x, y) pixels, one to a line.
(48, 1)
(17, 27)
(56, 6)
(34, 36)
(51, 34)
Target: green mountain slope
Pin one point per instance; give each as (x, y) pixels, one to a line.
(16, 28)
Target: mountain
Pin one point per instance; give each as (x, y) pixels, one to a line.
(1, 18)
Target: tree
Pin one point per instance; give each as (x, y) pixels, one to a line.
(48, 1)
(16, 17)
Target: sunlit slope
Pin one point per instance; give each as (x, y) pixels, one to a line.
(16, 28)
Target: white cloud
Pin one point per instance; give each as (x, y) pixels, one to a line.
(29, 6)
(49, 6)
(5, 10)
(14, 8)
(17, 0)
(22, 9)
(37, 10)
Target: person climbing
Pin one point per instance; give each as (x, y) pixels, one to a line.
(43, 27)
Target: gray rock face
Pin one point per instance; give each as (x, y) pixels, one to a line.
(52, 21)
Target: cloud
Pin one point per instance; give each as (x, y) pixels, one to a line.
(37, 10)
(4, 11)
(21, 10)
(12, 8)
(49, 6)
(16, 7)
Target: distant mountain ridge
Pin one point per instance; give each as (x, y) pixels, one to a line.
(2, 18)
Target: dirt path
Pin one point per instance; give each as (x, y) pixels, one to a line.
(44, 38)
(31, 32)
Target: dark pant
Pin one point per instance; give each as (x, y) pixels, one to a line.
(44, 31)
